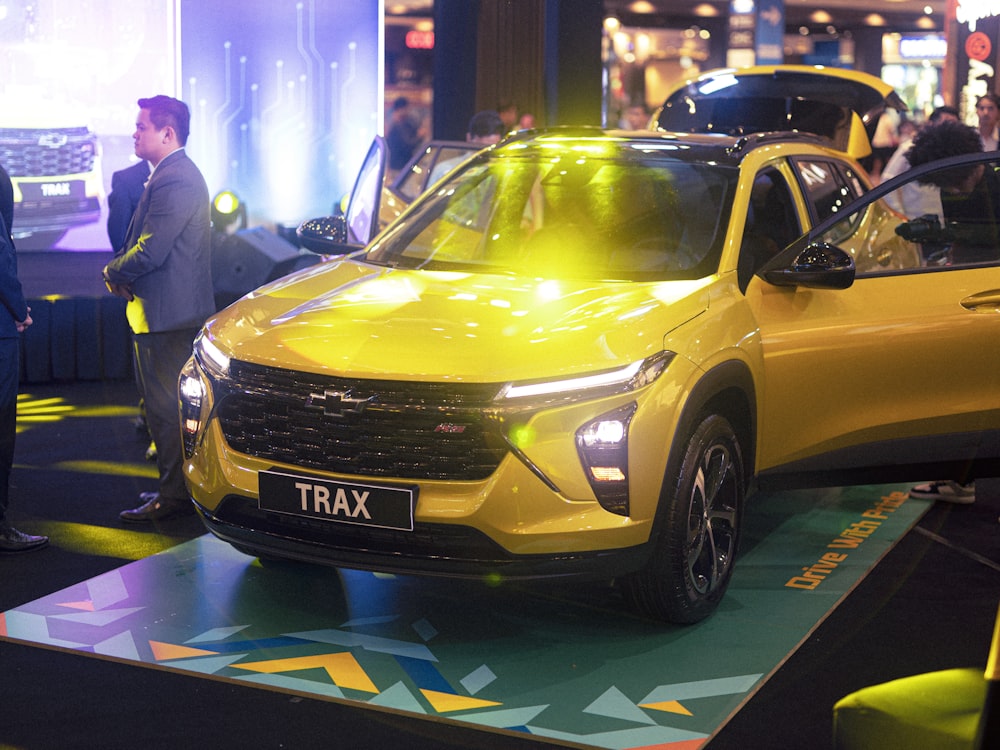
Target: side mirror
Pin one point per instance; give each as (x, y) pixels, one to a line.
(326, 235)
(819, 265)
(340, 235)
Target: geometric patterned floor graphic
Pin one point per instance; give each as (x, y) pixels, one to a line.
(557, 661)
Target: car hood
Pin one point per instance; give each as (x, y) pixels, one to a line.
(351, 319)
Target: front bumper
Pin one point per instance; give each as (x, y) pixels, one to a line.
(54, 216)
(448, 550)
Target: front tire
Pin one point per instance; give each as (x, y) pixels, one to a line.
(695, 548)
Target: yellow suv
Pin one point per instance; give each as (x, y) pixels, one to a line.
(581, 351)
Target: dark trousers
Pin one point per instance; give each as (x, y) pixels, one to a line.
(9, 376)
(159, 358)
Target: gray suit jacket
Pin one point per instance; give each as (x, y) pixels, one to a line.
(166, 259)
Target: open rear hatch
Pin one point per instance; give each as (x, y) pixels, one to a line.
(840, 105)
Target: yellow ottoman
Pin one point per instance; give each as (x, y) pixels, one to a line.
(934, 711)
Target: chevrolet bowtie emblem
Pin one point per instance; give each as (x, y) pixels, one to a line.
(337, 404)
(53, 140)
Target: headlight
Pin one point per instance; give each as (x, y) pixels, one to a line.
(191, 391)
(602, 443)
(210, 356)
(208, 363)
(603, 447)
(593, 385)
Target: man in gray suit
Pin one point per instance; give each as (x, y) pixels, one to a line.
(164, 271)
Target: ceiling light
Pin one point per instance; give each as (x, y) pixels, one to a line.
(704, 10)
(820, 16)
(874, 19)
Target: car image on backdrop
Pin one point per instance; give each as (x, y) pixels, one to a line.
(583, 350)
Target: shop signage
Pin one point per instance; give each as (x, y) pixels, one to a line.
(978, 46)
(923, 47)
(770, 46)
(419, 39)
(756, 32)
(972, 11)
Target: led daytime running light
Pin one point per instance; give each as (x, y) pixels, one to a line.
(647, 370)
(211, 356)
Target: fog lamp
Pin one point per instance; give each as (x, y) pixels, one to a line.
(603, 447)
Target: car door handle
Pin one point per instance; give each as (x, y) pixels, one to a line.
(983, 302)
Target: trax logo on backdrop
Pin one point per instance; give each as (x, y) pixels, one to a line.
(54, 189)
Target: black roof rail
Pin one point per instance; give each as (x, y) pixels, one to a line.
(776, 136)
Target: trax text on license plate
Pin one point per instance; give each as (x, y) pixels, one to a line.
(345, 502)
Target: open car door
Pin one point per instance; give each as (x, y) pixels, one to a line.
(339, 235)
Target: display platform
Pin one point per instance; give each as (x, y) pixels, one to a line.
(552, 660)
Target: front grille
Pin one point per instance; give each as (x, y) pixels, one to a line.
(442, 431)
(50, 152)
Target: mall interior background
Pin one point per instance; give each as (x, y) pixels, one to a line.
(287, 95)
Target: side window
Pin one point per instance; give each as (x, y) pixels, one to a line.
(448, 158)
(958, 229)
(772, 223)
(411, 183)
(828, 186)
(434, 162)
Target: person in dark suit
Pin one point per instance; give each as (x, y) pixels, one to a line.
(164, 270)
(126, 189)
(15, 317)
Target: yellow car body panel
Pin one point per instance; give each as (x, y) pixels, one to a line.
(885, 365)
(599, 413)
(357, 314)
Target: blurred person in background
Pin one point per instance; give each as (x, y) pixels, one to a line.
(14, 320)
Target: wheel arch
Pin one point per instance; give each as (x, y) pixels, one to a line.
(727, 389)
(721, 407)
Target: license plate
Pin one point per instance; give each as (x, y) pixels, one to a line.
(40, 191)
(341, 502)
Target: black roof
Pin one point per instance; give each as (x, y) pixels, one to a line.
(695, 147)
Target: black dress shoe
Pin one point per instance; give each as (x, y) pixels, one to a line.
(154, 508)
(12, 540)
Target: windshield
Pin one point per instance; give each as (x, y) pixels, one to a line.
(569, 216)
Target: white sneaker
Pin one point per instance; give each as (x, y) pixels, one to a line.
(948, 492)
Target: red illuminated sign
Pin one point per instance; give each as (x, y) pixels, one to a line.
(420, 39)
(978, 46)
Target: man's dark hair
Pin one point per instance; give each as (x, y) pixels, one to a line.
(487, 122)
(165, 110)
(400, 102)
(939, 141)
(940, 112)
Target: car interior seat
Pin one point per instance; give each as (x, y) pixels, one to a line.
(768, 228)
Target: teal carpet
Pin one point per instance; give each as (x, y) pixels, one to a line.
(563, 662)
